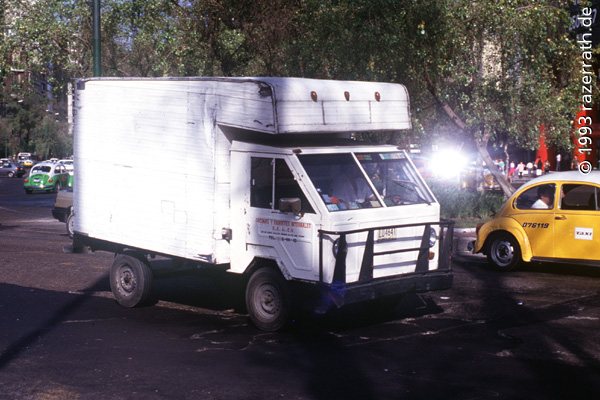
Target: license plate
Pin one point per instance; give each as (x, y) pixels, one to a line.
(36, 180)
(386, 234)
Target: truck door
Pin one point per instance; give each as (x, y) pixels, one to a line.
(286, 236)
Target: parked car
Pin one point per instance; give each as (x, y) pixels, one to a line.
(11, 169)
(423, 165)
(25, 159)
(68, 164)
(555, 217)
(470, 175)
(63, 209)
(48, 177)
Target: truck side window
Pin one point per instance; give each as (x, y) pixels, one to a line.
(261, 184)
(287, 187)
(272, 180)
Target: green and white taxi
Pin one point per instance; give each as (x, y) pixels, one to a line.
(47, 177)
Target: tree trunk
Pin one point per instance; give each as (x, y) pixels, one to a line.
(481, 144)
(507, 188)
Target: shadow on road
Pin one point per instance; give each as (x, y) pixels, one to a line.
(542, 335)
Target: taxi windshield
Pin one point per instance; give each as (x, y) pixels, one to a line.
(343, 184)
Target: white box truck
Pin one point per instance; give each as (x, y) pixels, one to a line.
(257, 177)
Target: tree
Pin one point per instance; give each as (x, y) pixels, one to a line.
(476, 70)
(483, 72)
(503, 68)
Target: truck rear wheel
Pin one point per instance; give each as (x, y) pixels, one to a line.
(130, 280)
(268, 299)
(70, 223)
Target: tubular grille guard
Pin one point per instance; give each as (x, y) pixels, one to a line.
(367, 265)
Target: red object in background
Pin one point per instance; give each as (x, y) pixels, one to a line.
(583, 118)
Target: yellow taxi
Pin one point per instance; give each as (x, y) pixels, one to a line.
(555, 217)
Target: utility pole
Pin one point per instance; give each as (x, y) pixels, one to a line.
(97, 52)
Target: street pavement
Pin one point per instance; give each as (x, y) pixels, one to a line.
(531, 334)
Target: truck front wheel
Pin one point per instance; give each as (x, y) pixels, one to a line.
(130, 280)
(268, 299)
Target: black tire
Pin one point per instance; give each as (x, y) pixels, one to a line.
(130, 280)
(268, 299)
(504, 253)
(56, 187)
(70, 221)
(28, 191)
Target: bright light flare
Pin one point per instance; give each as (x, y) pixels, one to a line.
(448, 164)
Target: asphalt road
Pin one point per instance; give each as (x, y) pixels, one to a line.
(532, 334)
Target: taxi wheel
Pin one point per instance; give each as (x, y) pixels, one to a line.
(504, 253)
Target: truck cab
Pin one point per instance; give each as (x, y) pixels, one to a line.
(355, 218)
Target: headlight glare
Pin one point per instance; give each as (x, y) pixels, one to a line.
(432, 237)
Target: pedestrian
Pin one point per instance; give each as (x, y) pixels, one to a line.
(501, 165)
(530, 169)
(546, 167)
(558, 162)
(520, 169)
(539, 165)
(575, 164)
(511, 171)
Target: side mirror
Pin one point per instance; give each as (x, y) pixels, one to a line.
(293, 205)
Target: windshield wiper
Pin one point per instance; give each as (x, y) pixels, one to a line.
(410, 186)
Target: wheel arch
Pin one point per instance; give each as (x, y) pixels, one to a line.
(260, 262)
(506, 226)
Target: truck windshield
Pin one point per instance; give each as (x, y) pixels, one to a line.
(343, 185)
(395, 179)
(340, 182)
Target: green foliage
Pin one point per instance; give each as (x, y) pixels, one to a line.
(457, 203)
(503, 68)
(477, 71)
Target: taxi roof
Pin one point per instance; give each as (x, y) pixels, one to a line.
(567, 176)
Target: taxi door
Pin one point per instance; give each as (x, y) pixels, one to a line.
(577, 223)
(534, 210)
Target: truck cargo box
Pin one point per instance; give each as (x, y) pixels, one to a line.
(153, 162)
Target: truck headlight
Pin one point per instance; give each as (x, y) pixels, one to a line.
(335, 247)
(432, 237)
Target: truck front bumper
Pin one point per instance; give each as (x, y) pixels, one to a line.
(349, 293)
(368, 288)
